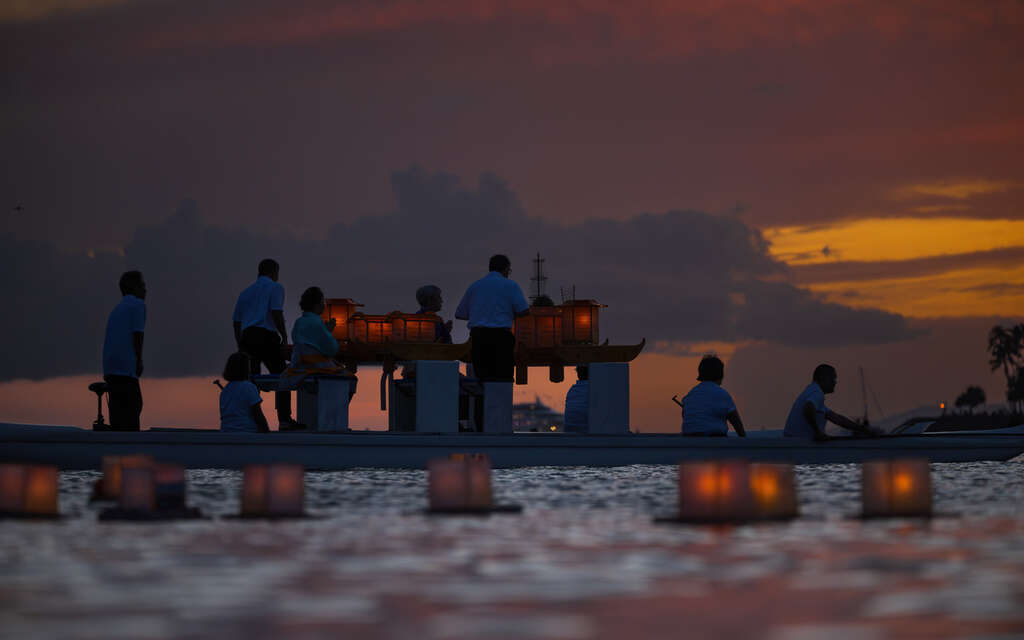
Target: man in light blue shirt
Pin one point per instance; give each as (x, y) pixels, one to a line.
(808, 415)
(490, 307)
(258, 322)
(122, 353)
(577, 402)
(708, 406)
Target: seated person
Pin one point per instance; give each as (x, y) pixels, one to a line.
(429, 298)
(577, 402)
(808, 415)
(312, 332)
(708, 406)
(240, 400)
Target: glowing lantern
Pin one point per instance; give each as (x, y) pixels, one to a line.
(341, 309)
(461, 483)
(579, 322)
(542, 328)
(413, 327)
(715, 492)
(896, 488)
(40, 490)
(138, 492)
(254, 490)
(285, 490)
(370, 329)
(12, 487)
(773, 487)
(169, 485)
(110, 484)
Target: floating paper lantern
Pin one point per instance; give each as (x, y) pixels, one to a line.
(542, 328)
(285, 490)
(138, 492)
(169, 485)
(340, 309)
(461, 482)
(12, 487)
(254, 490)
(896, 488)
(579, 322)
(773, 487)
(110, 484)
(370, 329)
(40, 490)
(413, 327)
(715, 492)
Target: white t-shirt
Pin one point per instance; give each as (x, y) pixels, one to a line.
(127, 319)
(257, 301)
(492, 301)
(796, 423)
(705, 408)
(236, 402)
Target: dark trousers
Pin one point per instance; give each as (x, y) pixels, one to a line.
(264, 348)
(125, 402)
(493, 354)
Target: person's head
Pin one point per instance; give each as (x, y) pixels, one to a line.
(131, 283)
(582, 372)
(501, 264)
(826, 377)
(312, 300)
(429, 298)
(711, 369)
(237, 367)
(269, 267)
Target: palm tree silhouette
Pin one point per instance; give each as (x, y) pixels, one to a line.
(1005, 345)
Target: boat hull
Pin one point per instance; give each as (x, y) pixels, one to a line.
(73, 448)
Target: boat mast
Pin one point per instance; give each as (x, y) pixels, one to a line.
(864, 393)
(538, 278)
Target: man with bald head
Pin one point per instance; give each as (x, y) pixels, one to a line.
(808, 415)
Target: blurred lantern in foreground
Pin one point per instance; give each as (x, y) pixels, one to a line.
(579, 322)
(12, 487)
(369, 329)
(138, 492)
(169, 485)
(773, 487)
(896, 488)
(41, 490)
(110, 483)
(276, 490)
(340, 309)
(460, 483)
(715, 492)
(542, 328)
(413, 327)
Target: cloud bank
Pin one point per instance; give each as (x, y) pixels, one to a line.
(674, 277)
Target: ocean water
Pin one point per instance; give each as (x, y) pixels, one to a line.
(583, 560)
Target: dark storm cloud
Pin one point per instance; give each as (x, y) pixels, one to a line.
(676, 277)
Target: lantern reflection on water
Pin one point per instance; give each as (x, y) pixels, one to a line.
(896, 488)
(579, 322)
(715, 492)
(340, 309)
(369, 329)
(542, 328)
(413, 327)
(460, 483)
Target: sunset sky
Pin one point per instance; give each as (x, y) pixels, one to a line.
(780, 182)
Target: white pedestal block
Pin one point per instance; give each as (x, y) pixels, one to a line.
(323, 403)
(497, 407)
(608, 407)
(437, 396)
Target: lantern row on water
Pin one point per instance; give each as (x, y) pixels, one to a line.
(736, 491)
(896, 488)
(273, 491)
(28, 491)
(460, 483)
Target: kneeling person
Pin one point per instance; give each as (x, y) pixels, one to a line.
(240, 400)
(708, 406)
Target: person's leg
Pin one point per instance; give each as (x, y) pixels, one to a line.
(483, 354)
(125, 402)
(504, 356)
(276, 364)
(250, 344)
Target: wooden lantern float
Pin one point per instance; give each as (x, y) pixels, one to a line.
(273, 491)
(28, 490)
(340, 309)
(138, 490)
(12, 487)
(896, 488)
(169, 485)
(542, 328)
(413, 327)
(773, 487)
(370, 329)
(580, 322)
(109, 486)
(460, 483)
(711, 492)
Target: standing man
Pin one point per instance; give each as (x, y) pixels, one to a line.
(122, 353)
(808, 415)
(490, 307)
(260, 331)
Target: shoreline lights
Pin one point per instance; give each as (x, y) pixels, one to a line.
(896, 488)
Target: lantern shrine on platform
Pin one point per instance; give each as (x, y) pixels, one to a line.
(896, 488)
(340, 309)
(461, 482)
(579, 322)
(370, 329)
(542, 328)
(413, 327)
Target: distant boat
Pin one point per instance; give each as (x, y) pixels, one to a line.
(536, 416)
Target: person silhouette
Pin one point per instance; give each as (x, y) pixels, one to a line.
(708, 406)
(808, 414)
(429, 298)
(490, 306)
(122, 353)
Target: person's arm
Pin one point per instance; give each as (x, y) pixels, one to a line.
(811, 416)
(277, 311)
(137, 343)
(256, 411)
(326, 343)
(848, 424)
(737, 424)
(462, 311)
(278, 317)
